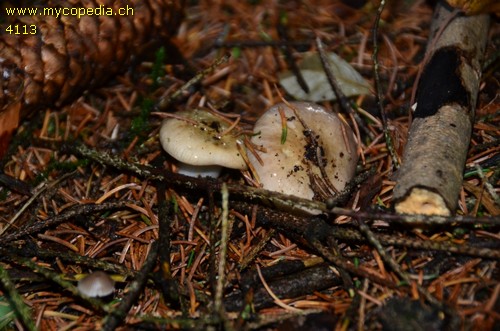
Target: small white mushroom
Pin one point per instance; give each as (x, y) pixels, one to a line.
(200, 142)
(299, 146)
(97, 284)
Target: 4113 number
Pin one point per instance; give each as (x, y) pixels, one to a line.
(21, 29)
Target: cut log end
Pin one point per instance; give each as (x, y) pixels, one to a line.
(422, 201)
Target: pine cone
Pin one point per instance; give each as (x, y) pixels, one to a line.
(70, 54)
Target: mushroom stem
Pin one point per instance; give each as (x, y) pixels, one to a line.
(212, 171)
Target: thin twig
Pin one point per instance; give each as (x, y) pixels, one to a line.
(166, 101)
(287, 51)
(294, 225)
(378, 89)
(37, 192)
(219, 289)
(277, 300)
(372, 238)
(326, 252)
(58, 279)
(487, 184)
(9, 251)
(117, 315)
(170, 288)
(64, 216)
(261, 43)
(417, 220)
(344, 103)
(281, 201)
(256, 249)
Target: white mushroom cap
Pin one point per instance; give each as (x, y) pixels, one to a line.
(197, 141)
(288, 167)
(96, 284)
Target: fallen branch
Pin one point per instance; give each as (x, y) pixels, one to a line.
(430, 178)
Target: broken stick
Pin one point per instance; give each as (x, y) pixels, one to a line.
(430, 177)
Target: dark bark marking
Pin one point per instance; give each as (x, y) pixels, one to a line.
(441, 83)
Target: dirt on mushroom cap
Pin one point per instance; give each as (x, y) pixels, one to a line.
(294, 167)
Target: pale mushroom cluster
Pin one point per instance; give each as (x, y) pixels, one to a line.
(300, 148)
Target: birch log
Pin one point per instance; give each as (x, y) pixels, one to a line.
(430, 177)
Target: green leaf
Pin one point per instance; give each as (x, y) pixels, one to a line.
(7, 314)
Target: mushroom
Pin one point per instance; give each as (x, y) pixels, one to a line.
(97, 284)
(200, 141)
(305, 151)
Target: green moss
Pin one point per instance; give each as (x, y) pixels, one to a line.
(3, 196)
(63, 167)
(158, 69)
(66, 166)
(140, 124)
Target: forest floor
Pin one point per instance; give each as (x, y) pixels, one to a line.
(70, 210)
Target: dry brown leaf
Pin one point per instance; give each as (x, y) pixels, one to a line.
(475, 7)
